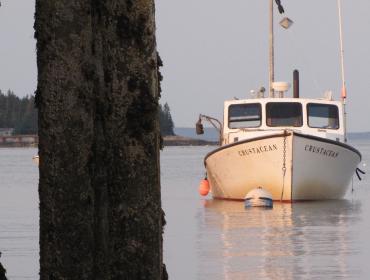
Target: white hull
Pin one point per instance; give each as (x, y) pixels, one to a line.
(315, 168)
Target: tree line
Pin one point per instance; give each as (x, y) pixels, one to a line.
(20, 114)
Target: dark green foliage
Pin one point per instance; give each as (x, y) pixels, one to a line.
(18, 113)
(165, 120)
(21, 114)
(2, 271)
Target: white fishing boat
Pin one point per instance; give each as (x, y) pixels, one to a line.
(295, 148)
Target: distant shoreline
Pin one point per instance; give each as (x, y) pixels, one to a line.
(19, 141)
(211, 134)
(177, 140)
(31, 141)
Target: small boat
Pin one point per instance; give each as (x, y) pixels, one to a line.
(296, 148)
(258, 197)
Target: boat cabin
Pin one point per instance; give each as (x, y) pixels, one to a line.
(250, 118)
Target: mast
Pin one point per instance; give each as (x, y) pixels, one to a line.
(344, 90)
(341, 46)
(271, 51)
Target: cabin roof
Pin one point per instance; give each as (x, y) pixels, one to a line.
(267, 100)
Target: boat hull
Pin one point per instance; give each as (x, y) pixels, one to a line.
(290, 165)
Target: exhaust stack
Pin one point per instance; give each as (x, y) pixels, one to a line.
(296, 83)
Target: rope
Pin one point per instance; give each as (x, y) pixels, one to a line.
(358, 170)
(284, 165)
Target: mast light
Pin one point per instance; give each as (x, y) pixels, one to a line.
(286, 22)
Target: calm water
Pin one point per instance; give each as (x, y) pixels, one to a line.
(208, 239)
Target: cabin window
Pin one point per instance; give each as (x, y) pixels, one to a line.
(323, 116)
(284, 114)
(244, 115)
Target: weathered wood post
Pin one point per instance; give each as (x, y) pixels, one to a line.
(97, 99)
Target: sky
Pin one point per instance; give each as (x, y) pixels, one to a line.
(18, 71)
(215, 50)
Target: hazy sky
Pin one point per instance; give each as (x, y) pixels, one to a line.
(217, 49)
(214, 50)
(17, 47)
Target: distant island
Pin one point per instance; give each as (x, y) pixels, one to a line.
(18, 120)
(172, 137)
(18, 116)
(19, 124)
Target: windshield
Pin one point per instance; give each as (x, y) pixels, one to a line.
(284, 114)
(323, 116)
(244, 115)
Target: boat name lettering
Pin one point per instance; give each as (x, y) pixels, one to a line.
(257, 150)
(321, 151)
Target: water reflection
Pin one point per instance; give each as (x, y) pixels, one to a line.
(291, 241)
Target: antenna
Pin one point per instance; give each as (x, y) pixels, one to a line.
(344, 91)
(341, 50)
(271, 50)
(285, 23)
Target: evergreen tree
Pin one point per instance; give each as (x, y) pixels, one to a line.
(18, 113)
(2, 271)
(165, 120)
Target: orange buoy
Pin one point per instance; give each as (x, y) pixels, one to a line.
(204, 187)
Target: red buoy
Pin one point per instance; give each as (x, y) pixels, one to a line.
(204, 187)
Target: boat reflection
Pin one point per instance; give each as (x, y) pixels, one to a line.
(301, 240)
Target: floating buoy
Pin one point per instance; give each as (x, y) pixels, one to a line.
(204, 187)
(258, 197)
